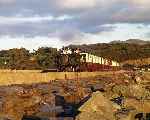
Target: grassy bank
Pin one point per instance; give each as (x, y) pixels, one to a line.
(8, 77)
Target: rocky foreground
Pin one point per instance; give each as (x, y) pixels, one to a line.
(119, 96)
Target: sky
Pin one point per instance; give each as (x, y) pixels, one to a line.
(55, 23)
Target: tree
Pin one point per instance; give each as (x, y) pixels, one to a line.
(46, 57)
(18, 58)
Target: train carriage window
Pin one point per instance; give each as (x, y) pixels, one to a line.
(83, 57)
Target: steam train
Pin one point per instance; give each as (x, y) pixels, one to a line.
(78, 61)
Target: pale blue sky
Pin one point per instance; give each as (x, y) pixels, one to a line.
(55, 23)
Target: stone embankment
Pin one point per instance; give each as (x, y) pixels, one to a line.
(128, 100)
(118, 96)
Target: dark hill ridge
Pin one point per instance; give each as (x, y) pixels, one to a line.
(45, 57)
(132, 41)
(121, 51)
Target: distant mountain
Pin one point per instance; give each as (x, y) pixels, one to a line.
(132, 41)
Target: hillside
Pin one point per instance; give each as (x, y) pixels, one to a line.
(138, 62)
(132, 41)
(123, 51)
(46, 57)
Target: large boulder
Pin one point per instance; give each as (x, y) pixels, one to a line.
(97, 107)
(14, 106)
(133, 91)
(139, 105)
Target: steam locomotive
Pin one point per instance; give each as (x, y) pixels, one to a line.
(75, 60)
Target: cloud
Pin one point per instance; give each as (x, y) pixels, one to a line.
(29, 43)
(2, 2)
(77, 4)
(38, 26)
(74, 21)
(18, 20)
(141, 2)
(34, 19)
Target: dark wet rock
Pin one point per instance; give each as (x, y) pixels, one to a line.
(98, 87)
(30, 118)
(47, 111)
(139, 116)
(125, 114)
(119, 100)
